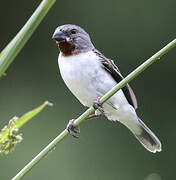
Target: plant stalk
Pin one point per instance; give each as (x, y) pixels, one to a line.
(17, 43)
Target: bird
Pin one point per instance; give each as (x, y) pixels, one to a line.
(88, 74)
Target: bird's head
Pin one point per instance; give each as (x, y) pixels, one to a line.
(72, 39)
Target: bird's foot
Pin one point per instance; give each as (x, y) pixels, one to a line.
(74, 131)
(98, 105)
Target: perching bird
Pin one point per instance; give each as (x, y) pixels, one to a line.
(89, 75)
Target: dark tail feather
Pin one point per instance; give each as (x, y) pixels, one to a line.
(148, 139)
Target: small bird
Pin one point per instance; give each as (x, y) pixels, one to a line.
(89, 75)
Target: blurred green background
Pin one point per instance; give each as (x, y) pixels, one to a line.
(128, 32)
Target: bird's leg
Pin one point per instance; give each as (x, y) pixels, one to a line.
(92, 116)
(98, 105)
(74, 131)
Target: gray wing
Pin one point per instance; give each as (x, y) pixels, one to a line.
(113, 70)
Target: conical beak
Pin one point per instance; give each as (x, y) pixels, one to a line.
(59, 36)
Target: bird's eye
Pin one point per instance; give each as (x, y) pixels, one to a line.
(73, 31)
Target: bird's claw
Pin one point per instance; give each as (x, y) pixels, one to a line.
(98, 105)
(74, 131)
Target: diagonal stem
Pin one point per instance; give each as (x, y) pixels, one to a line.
(91, 110)
(17, 43)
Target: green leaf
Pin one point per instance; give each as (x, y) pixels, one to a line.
(9, 137)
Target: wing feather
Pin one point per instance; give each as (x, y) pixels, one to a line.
(113, 70)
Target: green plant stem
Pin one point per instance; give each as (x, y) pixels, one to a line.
(14, 47)
(91, 110)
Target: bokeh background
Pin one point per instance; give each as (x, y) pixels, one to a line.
(128, 32)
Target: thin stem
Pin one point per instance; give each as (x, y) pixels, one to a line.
(138, 70)
(91, 110)
(41, 155)
(14, 47)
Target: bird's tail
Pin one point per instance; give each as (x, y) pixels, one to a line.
(147, 138)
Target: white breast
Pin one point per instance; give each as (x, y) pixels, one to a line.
(86, 79)
(78, 72)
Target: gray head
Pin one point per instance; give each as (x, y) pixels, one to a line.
(72, 39)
